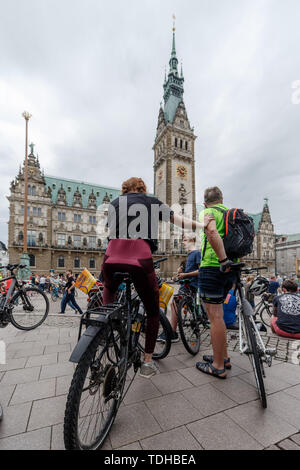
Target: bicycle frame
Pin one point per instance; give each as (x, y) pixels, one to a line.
(10, 290)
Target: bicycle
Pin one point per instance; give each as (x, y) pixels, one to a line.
(192, 318)
(250, 341)
(263, 309)
(56, 293)
(26, 307)
(109, 347)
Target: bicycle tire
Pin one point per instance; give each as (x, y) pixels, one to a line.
(266, 319)
(72, 412)
(186, 318)
(255, 361)
(15, 302)
(166, 346)
(54, 297)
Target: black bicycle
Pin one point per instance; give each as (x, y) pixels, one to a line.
(263, 308)
(192, 318)
(112, 343)
(26, 307)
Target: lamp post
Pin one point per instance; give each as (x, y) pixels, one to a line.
(24, 259)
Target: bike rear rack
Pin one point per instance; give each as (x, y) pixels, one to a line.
(100, 315)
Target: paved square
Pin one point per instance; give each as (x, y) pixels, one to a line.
(179, 408)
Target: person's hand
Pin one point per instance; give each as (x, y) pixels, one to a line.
(225, 267)
(207, 219)
(181, 276)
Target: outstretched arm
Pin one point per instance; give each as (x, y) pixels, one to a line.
(189, 224)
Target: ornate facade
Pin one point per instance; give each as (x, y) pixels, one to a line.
(63, 217)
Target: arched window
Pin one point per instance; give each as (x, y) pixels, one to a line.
(31, 260)
(92, 263)
(33, 191)
(29, 189)
(61, 262)
(181, 143)
(175, 141)
(186, 145)
(76, 262)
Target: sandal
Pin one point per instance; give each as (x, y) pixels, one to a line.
(210, 358)
(208, 368)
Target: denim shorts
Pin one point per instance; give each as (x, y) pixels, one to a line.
(214, 285)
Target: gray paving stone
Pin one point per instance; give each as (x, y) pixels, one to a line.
(286, 407)
(175, 439)
(57, 348)
(35, 440)
(287, 444)
(172, 410)
(21, 346)
(272, 384)
(242, 361)
(169, 364)
(236, 389)
(42, 360)
(133, 422)
(64, 356)
(195, 377)
(47, 412)
(56, 370)
(6, 392)
(171, 382)
(133, 446)
(189, 361)
(261, 424)
(208, 400)
(219, 432)
(36, 351)
(296, 438)
(141, 390)
(20, 376)
(290, 372)
(177, 348)
(13, 364)
(272, 447)
(63, 384)
(15, 420)
(294, 391)
(33, 391)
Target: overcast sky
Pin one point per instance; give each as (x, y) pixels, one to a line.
(91, 73)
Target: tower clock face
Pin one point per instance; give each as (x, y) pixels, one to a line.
(181, 171)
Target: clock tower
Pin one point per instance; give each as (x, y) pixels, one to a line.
(174, 163)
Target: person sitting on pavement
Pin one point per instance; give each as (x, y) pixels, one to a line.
(286, 316)
(191, 273)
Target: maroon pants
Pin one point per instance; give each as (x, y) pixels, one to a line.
(134, 257)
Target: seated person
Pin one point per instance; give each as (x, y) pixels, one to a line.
(286, 316)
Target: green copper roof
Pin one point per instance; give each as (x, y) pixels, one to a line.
(256, 219)
(173, 87)
(294, 237)
(85, 189)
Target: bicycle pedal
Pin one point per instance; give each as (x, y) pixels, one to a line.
(271, 351)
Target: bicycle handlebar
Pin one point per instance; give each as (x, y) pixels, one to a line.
(11, 267)
(160, 260)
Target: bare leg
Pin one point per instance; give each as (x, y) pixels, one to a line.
(174, 319)
(218, 334)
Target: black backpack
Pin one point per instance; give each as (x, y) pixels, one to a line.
(239, 233)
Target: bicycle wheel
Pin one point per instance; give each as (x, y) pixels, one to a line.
(189, 326)
(95, 392)
(161, 349)
(29, 308)
(265, 316)
(255, 359)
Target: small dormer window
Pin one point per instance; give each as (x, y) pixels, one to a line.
(83, 191)
(182, 123)
(53, 186)
(69, 189)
